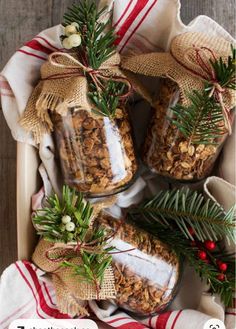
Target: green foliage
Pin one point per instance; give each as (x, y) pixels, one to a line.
(106, 101)
(96, 47)
(202, 121)
(93, 266)
(97, 36)
(184, 208)
(94, 249)
(170, 215)
(49, 219)
(226, 72)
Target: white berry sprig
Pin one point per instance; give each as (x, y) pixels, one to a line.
(66, 219)
(72, 37)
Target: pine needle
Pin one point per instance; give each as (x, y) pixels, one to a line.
(184, 209)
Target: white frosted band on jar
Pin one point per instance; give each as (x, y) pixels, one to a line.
(148, 267)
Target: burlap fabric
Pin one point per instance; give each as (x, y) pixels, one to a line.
(71, 292)
(70, 289)
(63, 86)
(187, 64)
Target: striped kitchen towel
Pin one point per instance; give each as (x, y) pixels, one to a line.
(26, 294)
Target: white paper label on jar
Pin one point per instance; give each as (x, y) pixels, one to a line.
(146, 266)
(53, 324)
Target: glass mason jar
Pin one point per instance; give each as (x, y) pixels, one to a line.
(96, 153)
(147, 273)
(167, 152)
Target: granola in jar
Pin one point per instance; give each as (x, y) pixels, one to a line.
(167, 152)
(146, 271)
(96, 153)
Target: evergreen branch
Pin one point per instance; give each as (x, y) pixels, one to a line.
(202, 121)
(225, 72)
(185, 249)
(97, 45)
(49, 223)
(106, 101)
(182, 209)
(97, 36)
(93, 266)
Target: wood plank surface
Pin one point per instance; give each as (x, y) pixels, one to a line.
(19, 21)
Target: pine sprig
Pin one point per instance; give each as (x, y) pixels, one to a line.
(183, 209)
(91, 269)
(97, 36)
(48, 220)
(106, 101)
(182, 245)
(225, 71)
(49, 224)
(97, 46)
(202, 121)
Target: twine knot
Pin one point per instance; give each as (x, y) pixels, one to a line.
(104, 73)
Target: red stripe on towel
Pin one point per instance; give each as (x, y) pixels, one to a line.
(118, 319)
(34, 44)
(44, 306)
(230, 313)
(30, 54)
(140, 5)
(150, 8)
(48, 294)
(176, 318)
(133, 325)
(162, 320)
(47, 42)
(123, 14)
(29, 285)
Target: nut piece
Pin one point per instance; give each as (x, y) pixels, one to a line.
(86, 144)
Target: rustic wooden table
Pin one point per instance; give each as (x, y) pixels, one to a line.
(19, 21)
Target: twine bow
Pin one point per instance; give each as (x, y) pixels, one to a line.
(62, 251)
(104, 73)
(198, 59)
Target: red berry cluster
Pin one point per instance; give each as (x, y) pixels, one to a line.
(202, 254)
(210, 246)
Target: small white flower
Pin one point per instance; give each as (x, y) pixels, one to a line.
(66, 219)
(74, 40)
(75, 24)
(70, 29)
(70, 227)
(66, 44)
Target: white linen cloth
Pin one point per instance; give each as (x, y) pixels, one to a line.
(142, 26)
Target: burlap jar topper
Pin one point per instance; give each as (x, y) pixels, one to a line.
(64, 85)
(72, 291)
(188, 65)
